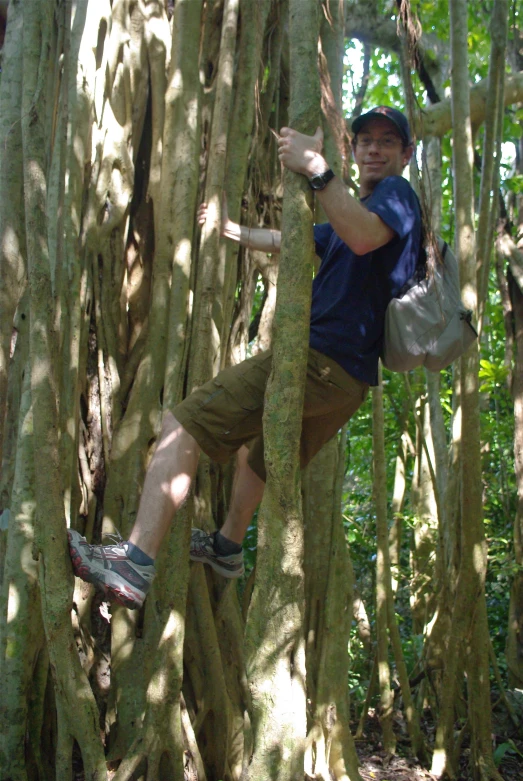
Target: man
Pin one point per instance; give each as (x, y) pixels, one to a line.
(369, 249)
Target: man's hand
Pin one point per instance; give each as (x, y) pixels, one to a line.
(201, 214)
(360, 229)
(263, 239)
(226, 226)
(301, 153)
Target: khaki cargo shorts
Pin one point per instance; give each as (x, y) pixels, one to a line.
(226, 412)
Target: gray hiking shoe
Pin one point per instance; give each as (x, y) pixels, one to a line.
(110, 570)
(202, 550)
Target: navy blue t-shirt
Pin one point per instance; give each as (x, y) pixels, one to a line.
(350, 292)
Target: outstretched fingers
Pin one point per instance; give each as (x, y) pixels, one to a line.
(203, 212)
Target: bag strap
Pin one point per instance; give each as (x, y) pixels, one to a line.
(420, 272)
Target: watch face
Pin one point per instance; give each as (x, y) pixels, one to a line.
(319, 181)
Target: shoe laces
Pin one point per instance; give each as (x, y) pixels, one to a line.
(115, 538)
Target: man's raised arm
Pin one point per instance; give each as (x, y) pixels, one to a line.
(359, 228)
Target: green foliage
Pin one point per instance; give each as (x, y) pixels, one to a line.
(505, 748)
(496, 406)
(360, 667)
(514, 184)
(434, 17)
(384, 83)
(493, 376)
(497, 431)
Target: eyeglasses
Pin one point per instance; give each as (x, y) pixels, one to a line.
(385, 142)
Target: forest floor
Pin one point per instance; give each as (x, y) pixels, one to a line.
(377, 765)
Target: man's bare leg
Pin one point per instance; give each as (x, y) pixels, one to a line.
(166, 485)
(124, 572)
(247, 493)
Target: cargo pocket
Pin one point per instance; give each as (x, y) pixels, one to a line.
(330, 390)
(244, 401)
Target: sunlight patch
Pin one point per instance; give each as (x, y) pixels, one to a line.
(13, 604)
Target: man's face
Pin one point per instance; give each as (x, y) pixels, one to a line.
(379, 152)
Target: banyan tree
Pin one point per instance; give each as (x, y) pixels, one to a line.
(117, 119)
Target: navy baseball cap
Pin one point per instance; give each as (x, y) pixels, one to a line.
(395, 116)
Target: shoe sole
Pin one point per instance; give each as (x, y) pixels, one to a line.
(217, 567)
(128, 599)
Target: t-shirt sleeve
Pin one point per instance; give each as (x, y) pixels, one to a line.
(322, 236)
(396, 203)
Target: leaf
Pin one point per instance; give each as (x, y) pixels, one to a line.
(494, 374)
(514, 184)
(500, 752)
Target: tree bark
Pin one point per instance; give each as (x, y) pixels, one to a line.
(275, 642)
(424, 582)
(491, 157)
(253, 20)
(329, 579)
(21, 631)
(205, 337)
(77, 712)
(398, 498)
(382, 568)
(12, 247)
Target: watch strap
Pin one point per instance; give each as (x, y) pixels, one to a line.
(320, 181)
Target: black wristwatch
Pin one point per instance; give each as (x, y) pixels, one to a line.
(320, 181)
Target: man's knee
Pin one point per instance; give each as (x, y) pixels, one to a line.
(174, 433)
(169, 423)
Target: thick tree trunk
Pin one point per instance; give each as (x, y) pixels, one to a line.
(12, 235)
(275, 642)
(328, 594)
(76, 708)
(22, 629)
(254, 18)
(205, 338)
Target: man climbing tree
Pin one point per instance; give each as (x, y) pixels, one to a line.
(369, 249)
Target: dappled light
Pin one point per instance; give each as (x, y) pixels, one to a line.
(439, 763)
(173, 627)
(13, 603)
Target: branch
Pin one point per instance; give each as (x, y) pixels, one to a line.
(437, 120)
(412, 35)
(368, 29)
(431, 51)
(426, 80)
